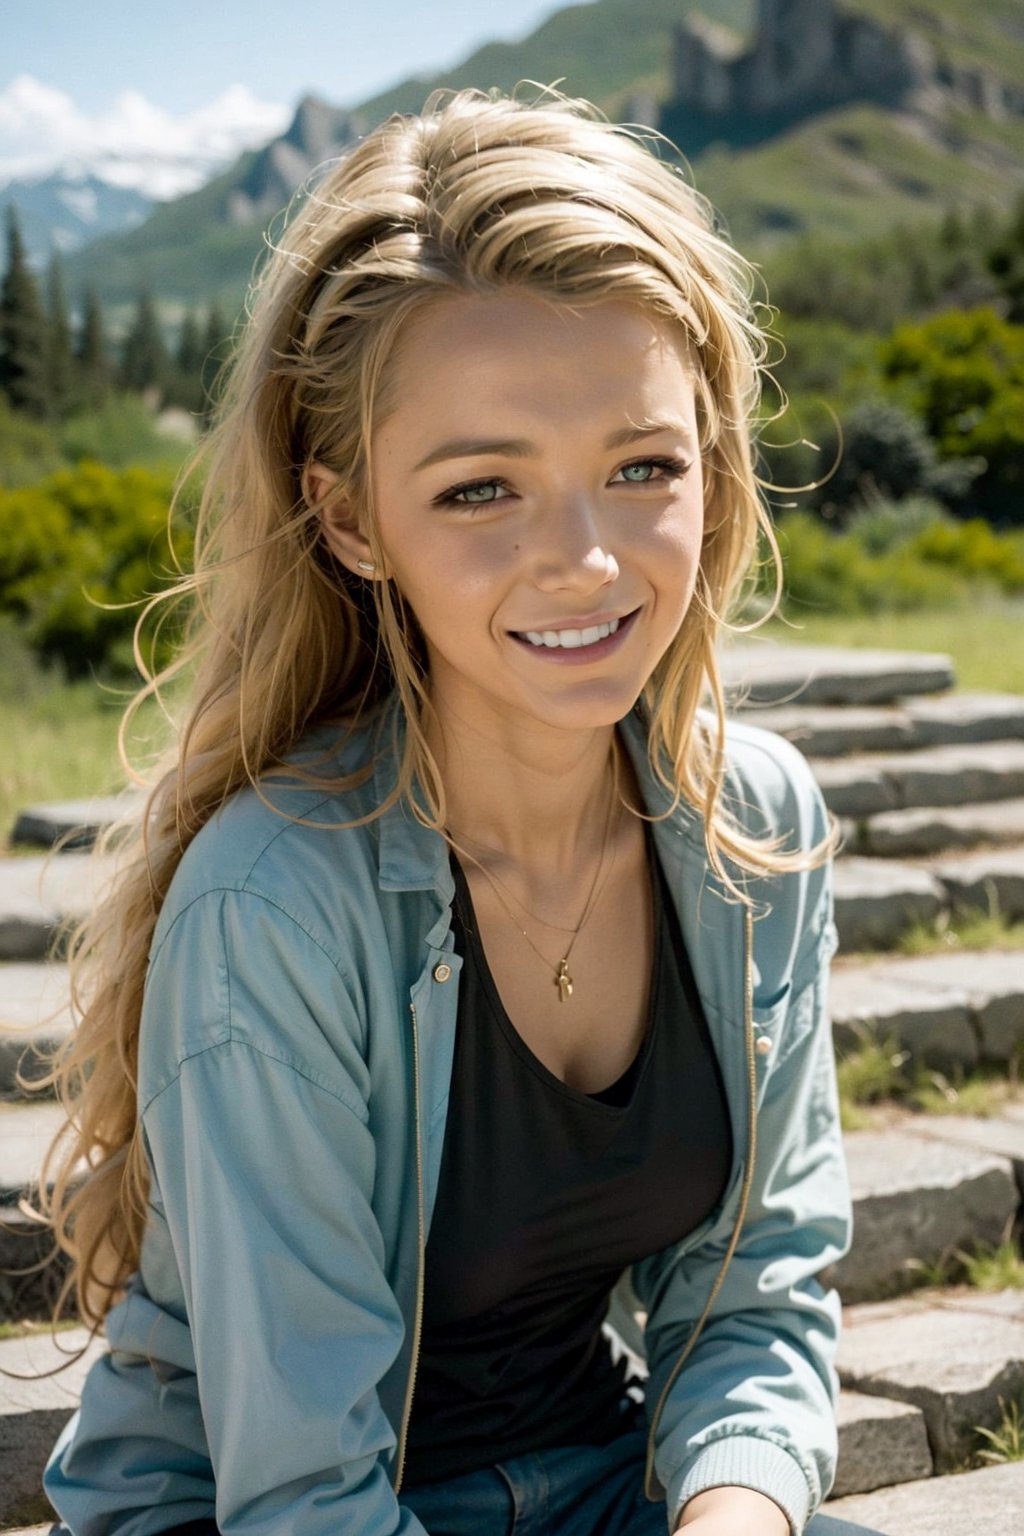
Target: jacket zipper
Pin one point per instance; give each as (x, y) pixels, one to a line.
(417, 1326)
(748, 1179)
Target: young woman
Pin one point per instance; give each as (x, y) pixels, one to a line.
(466, 995)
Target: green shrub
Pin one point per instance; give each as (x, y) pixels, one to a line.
(28, 448)
(837, 573)
(79, 553)
(975, 550)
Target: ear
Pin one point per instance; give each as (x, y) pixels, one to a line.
(338, 520)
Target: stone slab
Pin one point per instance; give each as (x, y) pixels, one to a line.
(932, 1024)
(989, 1501)
(876, 901)
(880, 1442)
(26, 1131)
(35, 1014)
(33, 1412)
(77, 822)
(1000, 1135)
(38, 895)
(857, 787)
(946, 1009)
(830, 730)
(937, 829)
(765, 671)
(993, 876)
(966, 717)
(915, 1201)
(953, 1354)
(945, 775)
(992, 980)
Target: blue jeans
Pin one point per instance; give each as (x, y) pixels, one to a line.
(586, 1490)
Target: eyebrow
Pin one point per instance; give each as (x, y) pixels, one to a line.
(519, 448)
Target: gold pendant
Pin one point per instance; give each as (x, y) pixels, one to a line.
(563, 981)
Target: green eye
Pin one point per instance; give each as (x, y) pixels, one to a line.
(638, 472)
(485, 490)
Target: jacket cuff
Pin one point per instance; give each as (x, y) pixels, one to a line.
(744, 1461)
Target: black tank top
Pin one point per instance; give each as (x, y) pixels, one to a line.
(545, 1195)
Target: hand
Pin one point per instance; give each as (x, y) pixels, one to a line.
(732, 1512)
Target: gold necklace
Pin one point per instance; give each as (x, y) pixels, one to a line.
(563, 977)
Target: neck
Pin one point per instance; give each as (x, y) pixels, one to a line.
(539, 801)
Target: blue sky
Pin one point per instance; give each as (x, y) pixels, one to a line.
(181, 54)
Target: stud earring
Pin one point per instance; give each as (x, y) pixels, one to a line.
(367, 566)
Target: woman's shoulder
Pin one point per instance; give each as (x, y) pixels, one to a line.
(289, 835)
(770, 788)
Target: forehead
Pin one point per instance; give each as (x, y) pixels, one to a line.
(516, 353)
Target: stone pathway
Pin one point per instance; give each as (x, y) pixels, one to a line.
(930, 786)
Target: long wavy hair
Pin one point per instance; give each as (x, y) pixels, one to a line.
(474, 195)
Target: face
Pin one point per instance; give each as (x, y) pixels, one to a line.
(539, 498)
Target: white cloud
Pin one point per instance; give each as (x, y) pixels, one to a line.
(133, 143)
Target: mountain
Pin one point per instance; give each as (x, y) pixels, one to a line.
(847, 117)
(65, 212)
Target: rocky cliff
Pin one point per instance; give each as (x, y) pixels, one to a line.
(811, 55)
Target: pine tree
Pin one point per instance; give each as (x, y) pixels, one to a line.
(187, 388)
(91, 349)
(214, 349)
(23, 330)
(144, 360)
(60, 359)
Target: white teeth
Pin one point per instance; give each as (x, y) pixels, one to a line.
(571, 639)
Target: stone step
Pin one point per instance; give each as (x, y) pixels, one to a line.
(916, 1199)
(35, 1015)
(990, 1500)
(762, 671)
(935, 829)
(827, 730)
(39, 895)
(947, 1010)
(79, 822)
(26, 1131)
(33, 1412)
(953, 1353)
(868, 784)
(979, 880)
(878, 900)
(880, 1442)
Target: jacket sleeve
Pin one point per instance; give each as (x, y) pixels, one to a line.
(259, 1398)
(753, 1405)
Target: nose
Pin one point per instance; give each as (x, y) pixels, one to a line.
(573, 552)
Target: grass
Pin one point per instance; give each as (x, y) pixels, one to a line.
(961, 932)
(878, 1077)
(1005, 1442)
(983, 640)
(59, 738)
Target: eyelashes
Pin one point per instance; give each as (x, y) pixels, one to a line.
(464, 494)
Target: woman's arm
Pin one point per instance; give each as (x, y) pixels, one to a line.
(733, 1512)
(754, 1404)
(264, 1166)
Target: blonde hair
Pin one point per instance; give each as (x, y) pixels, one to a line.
(476, 194)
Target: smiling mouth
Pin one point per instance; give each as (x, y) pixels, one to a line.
(572, 639)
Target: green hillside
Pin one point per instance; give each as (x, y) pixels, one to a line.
(854, 170)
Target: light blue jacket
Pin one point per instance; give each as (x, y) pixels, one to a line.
(295, 1060)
